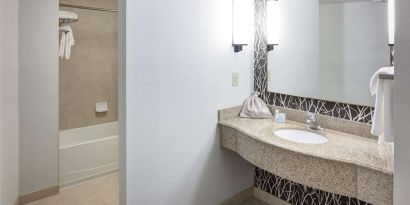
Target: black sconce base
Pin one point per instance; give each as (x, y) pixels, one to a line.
(270, 47)
(391, 54)
(238, 47)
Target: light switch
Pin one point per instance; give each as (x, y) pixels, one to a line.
(235, 79)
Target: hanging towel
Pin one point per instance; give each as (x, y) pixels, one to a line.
(383, 113)
(66, 42)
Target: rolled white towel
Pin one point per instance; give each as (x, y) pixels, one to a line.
(67, 15)
(62, 45)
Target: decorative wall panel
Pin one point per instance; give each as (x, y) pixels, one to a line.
(298, 194)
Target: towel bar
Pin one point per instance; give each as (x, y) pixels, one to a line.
(386, 77)
(63, 22)
(88, 8)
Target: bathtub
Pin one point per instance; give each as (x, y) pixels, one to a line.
(87, 153)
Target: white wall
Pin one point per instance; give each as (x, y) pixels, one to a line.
(8, 102)
(402, 105)
(353, 45)
(296, 58)
(38, 92)
(179, 64)
(122, 15)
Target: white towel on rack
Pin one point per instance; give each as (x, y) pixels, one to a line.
(383, 113)
(66, 42)
(67, 15)
(62, 45)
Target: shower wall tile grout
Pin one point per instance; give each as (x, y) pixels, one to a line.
(90, 76)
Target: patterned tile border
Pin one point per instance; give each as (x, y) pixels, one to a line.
(298, 194)
(340, 110)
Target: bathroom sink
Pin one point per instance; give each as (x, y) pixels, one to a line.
(301, 136)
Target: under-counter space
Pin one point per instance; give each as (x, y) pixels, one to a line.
(347, 164)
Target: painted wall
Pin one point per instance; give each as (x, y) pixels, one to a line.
(38, 95)
(9, 102)
(296, 58)
(122, 98)
(178, 74)
(90, 75)
(353, 46)
(401, 105)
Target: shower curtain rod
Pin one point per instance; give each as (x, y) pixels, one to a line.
(88, 8)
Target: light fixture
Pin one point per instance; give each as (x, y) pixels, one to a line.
(272, 23)
(392, 27)
(392, 22)
(241, 24)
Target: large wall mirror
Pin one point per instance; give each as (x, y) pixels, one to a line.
(329, 49)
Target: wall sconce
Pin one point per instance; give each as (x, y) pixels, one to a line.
(392, 27)
(241, 24)
(272, 23)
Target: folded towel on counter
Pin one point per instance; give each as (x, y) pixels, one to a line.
(66, 42)
(67, 15)
(383, 112)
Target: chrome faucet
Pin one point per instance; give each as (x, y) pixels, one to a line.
(313, 122)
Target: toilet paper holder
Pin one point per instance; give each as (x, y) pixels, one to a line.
(101, 107)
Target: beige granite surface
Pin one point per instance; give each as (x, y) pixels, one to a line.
(315, 172)
(327, 122)
(229, 113)
(342, 147)
(374, 187)
(347, 164)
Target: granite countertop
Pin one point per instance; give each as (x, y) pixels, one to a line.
(342, 147)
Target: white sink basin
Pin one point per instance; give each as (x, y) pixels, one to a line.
(301, 136)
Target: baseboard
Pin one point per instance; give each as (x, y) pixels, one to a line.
(27, 198)
(268, 198)
(239, 197)
(88, 178)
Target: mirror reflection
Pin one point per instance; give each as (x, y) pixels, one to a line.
(329, 49)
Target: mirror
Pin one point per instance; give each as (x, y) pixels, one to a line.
(329, 49)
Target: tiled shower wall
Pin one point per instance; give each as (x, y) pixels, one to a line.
(90, 76)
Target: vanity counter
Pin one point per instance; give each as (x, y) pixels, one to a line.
(347, 164)
(342, 147)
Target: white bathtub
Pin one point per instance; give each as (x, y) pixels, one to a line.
(87, 153)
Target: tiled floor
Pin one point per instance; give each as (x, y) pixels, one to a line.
(101, 191)
(253, 201)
